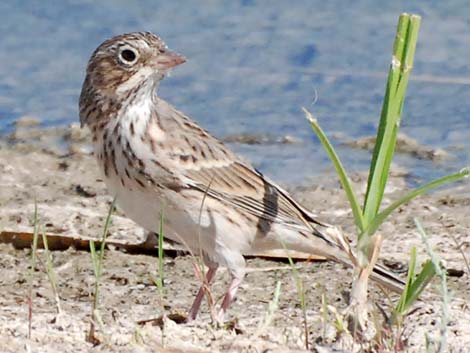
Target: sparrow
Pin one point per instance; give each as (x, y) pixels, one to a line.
(155, 160)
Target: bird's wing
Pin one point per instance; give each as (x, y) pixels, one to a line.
(206, 164)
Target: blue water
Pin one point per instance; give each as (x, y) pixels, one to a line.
(252, 65)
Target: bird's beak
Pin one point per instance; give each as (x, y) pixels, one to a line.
(168, 60)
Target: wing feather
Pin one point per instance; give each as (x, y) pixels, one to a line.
(206, 164)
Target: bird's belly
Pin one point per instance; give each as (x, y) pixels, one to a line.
(146, 207)
(142, 207)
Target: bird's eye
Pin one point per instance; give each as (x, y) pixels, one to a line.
(128, 56)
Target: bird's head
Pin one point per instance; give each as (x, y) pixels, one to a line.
(126, 65)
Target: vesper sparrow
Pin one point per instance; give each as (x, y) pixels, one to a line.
(156, 159)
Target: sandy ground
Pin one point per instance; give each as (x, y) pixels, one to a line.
(72, 200)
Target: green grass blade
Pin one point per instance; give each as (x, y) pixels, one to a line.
(97, 262)
(160, 255)
(160, 271)
(446, 297)
(418, 285)
(400, 68)
(425, 276)
(300, 291)
(400, 307)
(50, 272)
(105, 233)
(273, 305)
(393, 78)
(380, 218)
(343, 177)
(35, 236)
(414, 286)
(31, 270)
(96, 259)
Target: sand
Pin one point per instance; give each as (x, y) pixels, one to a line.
(55, 168)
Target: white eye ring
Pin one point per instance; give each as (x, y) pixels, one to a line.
(128, 55)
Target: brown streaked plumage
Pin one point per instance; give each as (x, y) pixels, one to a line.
(155, 159)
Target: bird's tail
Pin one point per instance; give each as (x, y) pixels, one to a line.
(387, 278)
(334, 245)
(326, 240)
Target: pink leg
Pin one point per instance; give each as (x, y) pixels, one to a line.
(200, 295)
(229, 296)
